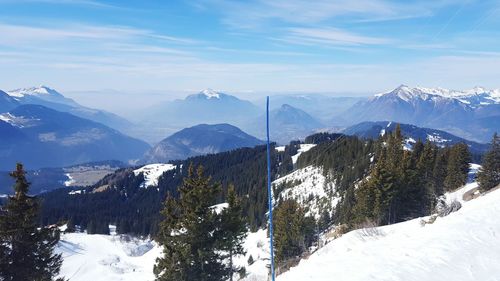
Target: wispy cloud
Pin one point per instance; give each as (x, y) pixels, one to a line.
(19, 34)
(257, 13)
(91, 3)
(332, 36)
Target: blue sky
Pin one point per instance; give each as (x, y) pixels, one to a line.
(252, 47)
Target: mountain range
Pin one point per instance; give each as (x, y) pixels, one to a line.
(472, 114)
(42, 137)
(51, 98)
(323, 107)
(286, 123)
(205, 107)
(413, 133)
(198, 140)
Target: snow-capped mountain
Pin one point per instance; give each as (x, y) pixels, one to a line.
(208, 94)
(206, 107)
(198, 140)
(35, 94)
(7, 102)
(42, 137)
(477, 96)
(470, 114)
(51, 98)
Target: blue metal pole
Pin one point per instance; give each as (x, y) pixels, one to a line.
(269, 193)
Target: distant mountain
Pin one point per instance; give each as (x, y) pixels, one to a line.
(50, 98)
(207, 106)
(412, 133)
(7, 102)
(472, 114)
(199, 140)
(42, 137)
(321, 107)
(286, 123)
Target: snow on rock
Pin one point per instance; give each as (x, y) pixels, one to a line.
(104, 257)
(408, 144)
(303, 148)
(309, 187)
(219, 207)
(70, 180)
(436, 138)
(461, 246)
(152, 173)
(74, 192)
(280, 148)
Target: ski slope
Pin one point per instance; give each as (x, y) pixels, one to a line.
(464, 245)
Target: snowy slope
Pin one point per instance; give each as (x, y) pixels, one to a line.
(110, 258)
(310, 188)
(461, 246)
(124, 258)
(303, 148)
(152, 173)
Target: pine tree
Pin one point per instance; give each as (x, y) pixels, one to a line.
(489, 174)
(233, 229)
(27, 252)
(291, 230)
(439, 171)
(188, 233)
(70, 226)
(425, 172)
(458, 166)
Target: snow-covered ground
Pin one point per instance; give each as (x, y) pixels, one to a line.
(152, 173)
(303, 148)
(461, 246)
(123, 258)
(70, 180)
(309, 187)
(107, 257)
(464, 245)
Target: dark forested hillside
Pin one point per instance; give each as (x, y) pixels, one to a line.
(118, 199)
(376, 180)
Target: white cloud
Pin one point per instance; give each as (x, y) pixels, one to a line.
(258, 13)
(333, 36)
(13, 35)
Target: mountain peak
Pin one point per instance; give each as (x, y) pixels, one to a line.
(210, 94)
(41, 90)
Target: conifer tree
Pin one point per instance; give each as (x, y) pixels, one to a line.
(425, 171)
(233, 229)
(291, 230)
(489, 174)
(439, 171)
(458, 166)
(188, 233)
(26, 251)
(70, 226)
